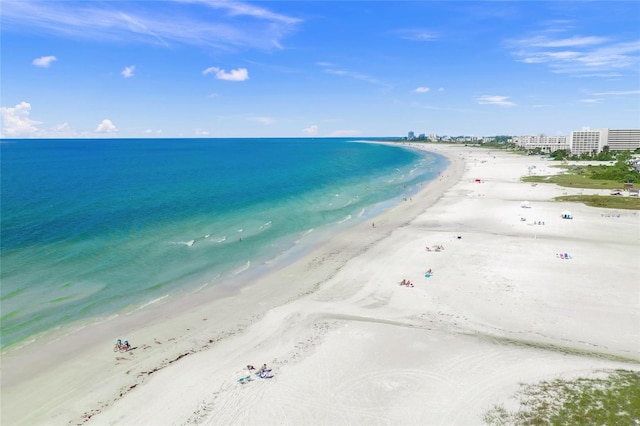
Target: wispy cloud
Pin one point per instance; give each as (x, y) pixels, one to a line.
(422, 90)
(618, 93)
(345, 133)
(220, 24)
(417, 34)
(591, 101)
(332, 69)
(262, 120)
(494, 100)
(576, 54)
(542, 41)
(44, 61)
(240, 74)
(127, 72)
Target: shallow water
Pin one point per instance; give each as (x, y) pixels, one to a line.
(93, 228)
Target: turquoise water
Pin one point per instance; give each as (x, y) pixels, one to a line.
(91, 228)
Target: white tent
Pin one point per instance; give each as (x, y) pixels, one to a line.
(525, 205)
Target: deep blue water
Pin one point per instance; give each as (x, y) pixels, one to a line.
(90, 228)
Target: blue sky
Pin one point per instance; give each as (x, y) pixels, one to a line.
(201, 68)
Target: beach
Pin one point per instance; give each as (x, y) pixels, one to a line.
(346, 343)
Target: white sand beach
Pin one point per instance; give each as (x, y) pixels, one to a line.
(347, 344)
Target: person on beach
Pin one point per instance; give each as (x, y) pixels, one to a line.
(263, 371)
(126, 345)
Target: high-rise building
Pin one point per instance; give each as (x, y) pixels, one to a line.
(590, 141)
(623, 140)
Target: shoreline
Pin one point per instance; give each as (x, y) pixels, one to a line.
(456, 343)
(180, 332)
(226, 282)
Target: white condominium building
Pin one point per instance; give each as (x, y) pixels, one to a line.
(542, 142)
(590, 141)
(623, 140)
(596, 140)
(581, 141)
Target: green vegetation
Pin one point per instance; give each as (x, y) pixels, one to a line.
(605, 155)
(606, 201)
(575, 181)
(610, 400)
(613, 177)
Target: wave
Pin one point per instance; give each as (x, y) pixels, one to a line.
(207, 283)
(240, 230)
(345, 219)
(242, 268)
(152, 302)
(184, 243)
(361, 213)
(302, 235)
(265, 225)
(207, 236)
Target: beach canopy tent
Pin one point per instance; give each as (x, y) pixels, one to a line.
(478, 181)
(566, 215)
(525, 205)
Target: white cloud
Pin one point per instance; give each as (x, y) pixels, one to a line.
(127, 72)
(16, 121)
(106, 126)
(311, 130)
(422, 90)
(591, 101)
(200, 132)
(152, 132)
(240, 74)
(44, 61)
(494, 100)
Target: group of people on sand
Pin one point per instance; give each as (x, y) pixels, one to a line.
(406, 283)
(122, 346)
(263, 372)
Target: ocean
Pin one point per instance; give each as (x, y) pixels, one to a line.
(96, 228)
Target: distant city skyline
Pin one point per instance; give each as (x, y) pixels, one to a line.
(199, 68)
